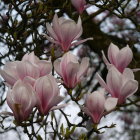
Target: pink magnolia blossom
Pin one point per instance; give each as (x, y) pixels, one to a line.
(47, 94)
(29, 69)
(21, 99)
(65, 32)
(79, 5)
(119, 85)
(119, 58)
(96, 105)
(70, 70)
(44, 66)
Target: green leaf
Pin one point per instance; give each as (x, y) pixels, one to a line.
(39, 137)
(72, 130)
(62, 130)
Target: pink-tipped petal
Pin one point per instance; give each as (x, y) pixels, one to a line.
(114, 81)
(47, 93)
(124, 58)
(95, 104)
(112, 53)
(70, 76)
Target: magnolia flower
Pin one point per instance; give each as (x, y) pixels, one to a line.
(96, 105)
(29, 69)
(70, 69)
(119, 58)
(119, 85)
(48, 96)
(80, 5)
(21, 99)
(65, 32)
(44, 66)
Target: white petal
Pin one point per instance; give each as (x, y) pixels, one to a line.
(56, 100)
(83, 67)
(51, 31)
(101, 81)
(45, 67)
(81, 41)
(8, 78)
(128, 73)
(110, 103)
(129, 88)
(106, 61)
(57, 66)
(58, 107)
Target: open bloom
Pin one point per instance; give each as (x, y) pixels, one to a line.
(47, 92)
(21, 99)
(70, 69)
(65, 32)
(96, 105)
(29, 69)
(119, 85)
(119, 58)
(79, 5)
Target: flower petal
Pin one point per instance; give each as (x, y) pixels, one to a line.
(51, 31)
(106, 61)
(128, 73)
(83, 67)
(114, 81)
(45, 67)
(57, 66)
(128, 89)
(113, 51)
(8, 78)
(70, 75)
(102, 82)
(110, 103)
(124, 58)
(25, 68)
(81, 41)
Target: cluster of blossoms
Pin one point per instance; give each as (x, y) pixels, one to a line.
(31, 83)
(120, 84)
